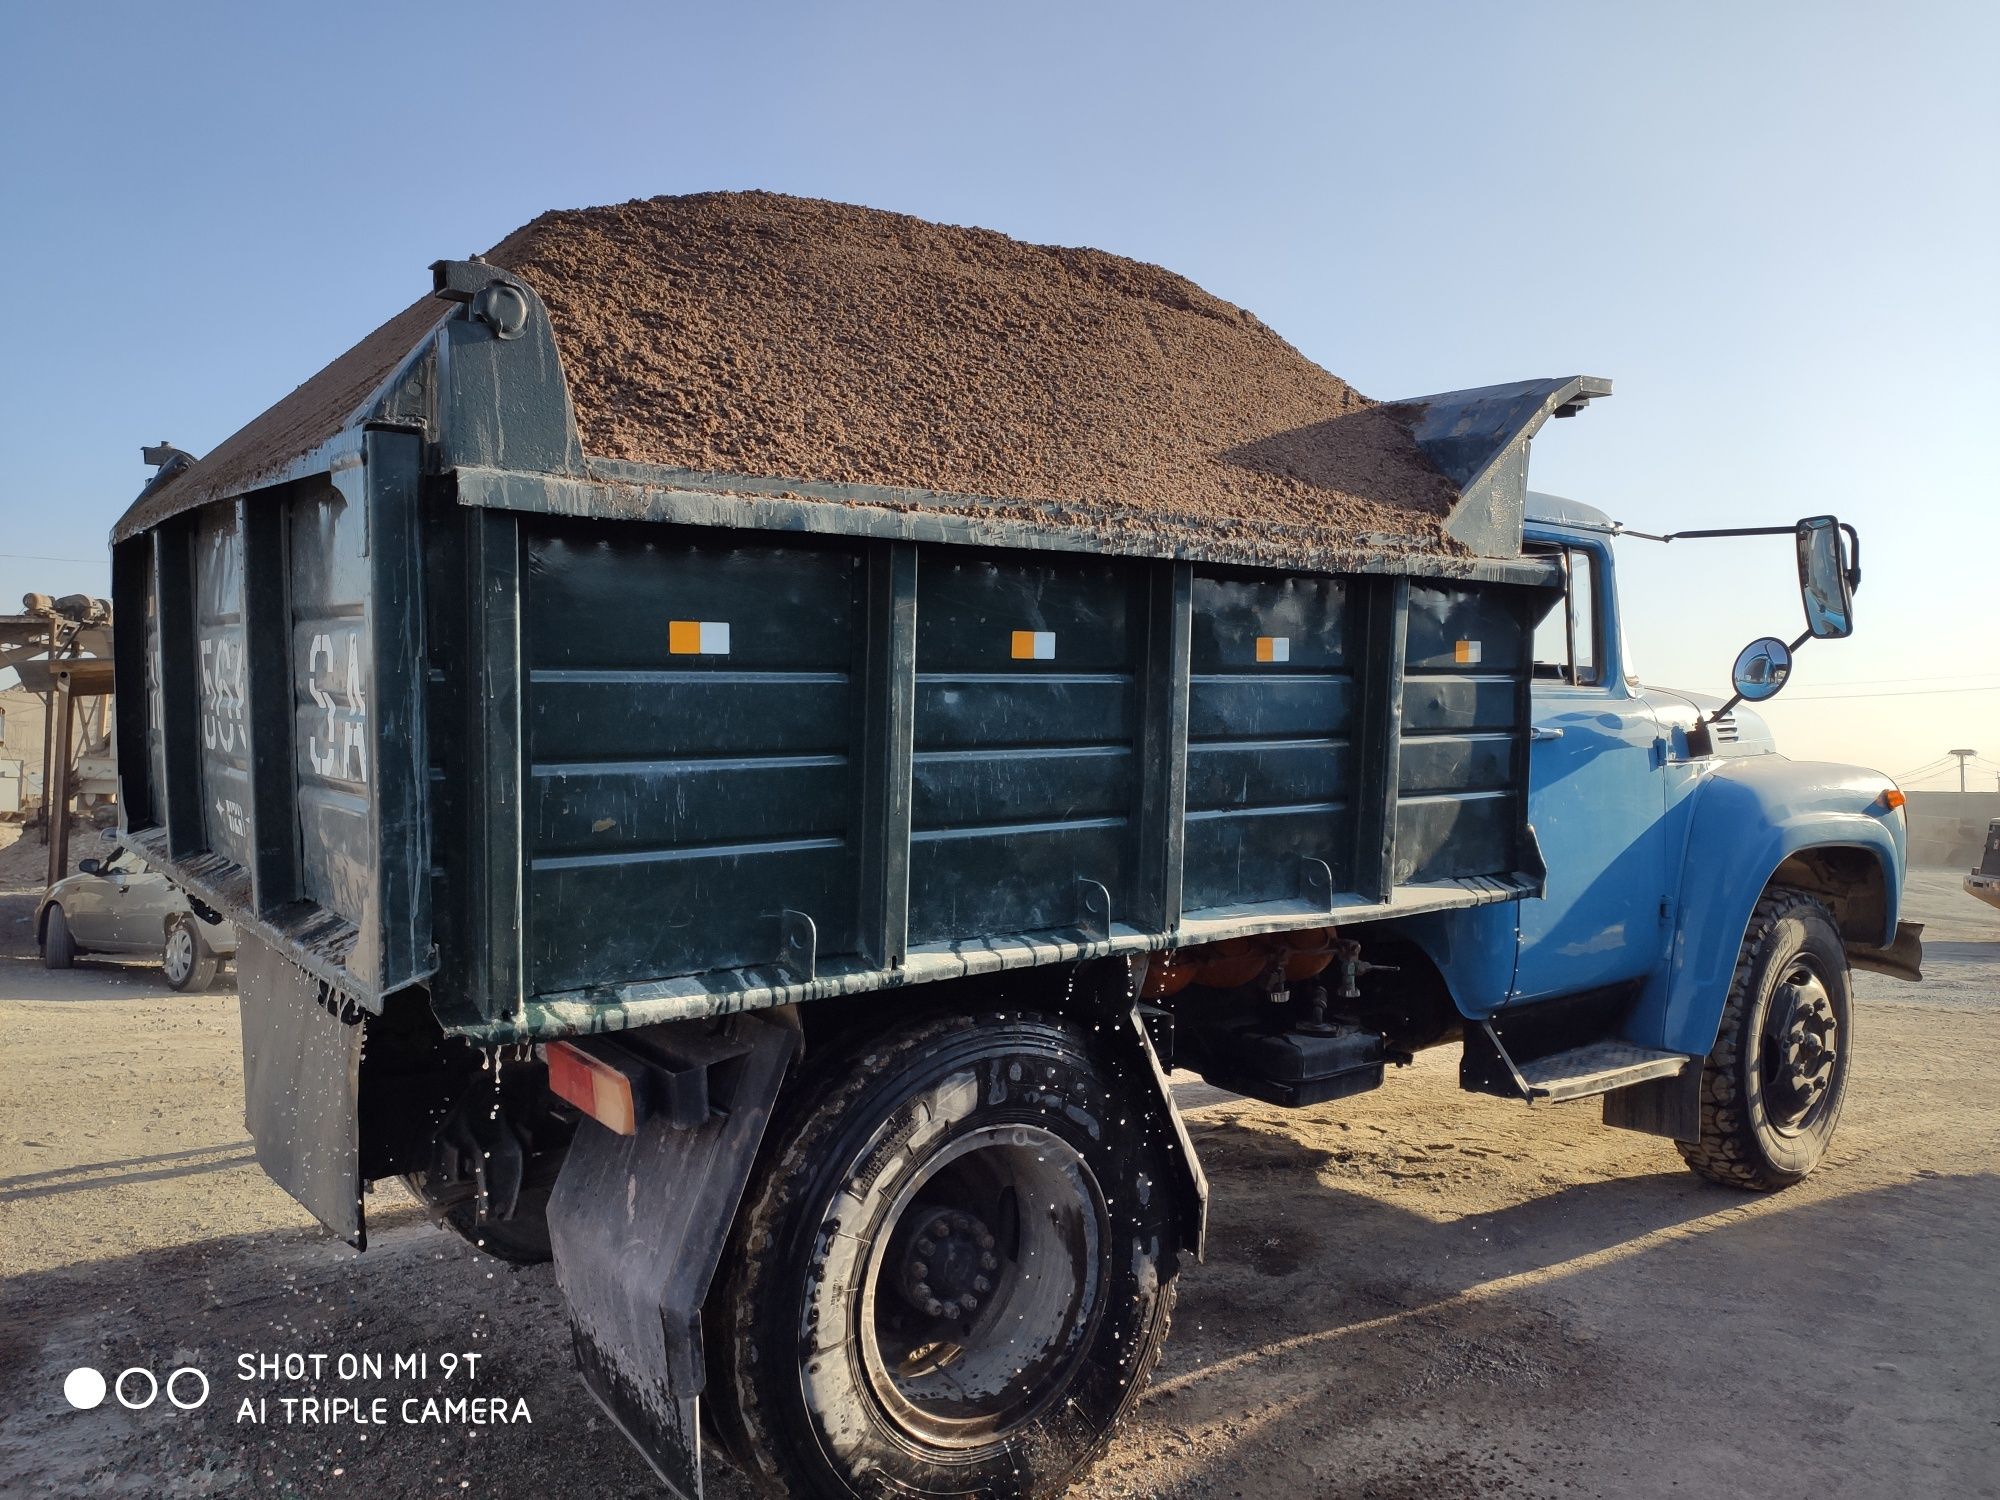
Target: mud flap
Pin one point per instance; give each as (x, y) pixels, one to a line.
(1902, 959)
(638, 1224)
(302, 1085)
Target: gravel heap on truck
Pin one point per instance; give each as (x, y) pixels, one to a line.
(791, 339)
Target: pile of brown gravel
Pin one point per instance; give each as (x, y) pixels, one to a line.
(796, 339)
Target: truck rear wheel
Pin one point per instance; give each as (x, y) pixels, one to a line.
(1772, 1089)
(522, 1239)
(947, 1278)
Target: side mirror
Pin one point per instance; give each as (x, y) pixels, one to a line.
(90, 866)
(1762, 669)
(1826, 579)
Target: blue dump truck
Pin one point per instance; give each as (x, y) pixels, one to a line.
(782, 903)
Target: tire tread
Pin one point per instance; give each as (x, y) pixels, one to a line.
(815, 1113)
(1727, 1151)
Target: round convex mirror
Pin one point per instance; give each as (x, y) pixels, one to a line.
(1762, 668)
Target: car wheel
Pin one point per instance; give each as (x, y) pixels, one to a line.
(186, 960)
(58, 945)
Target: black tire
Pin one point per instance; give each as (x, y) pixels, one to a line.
(186, 960)
(522, 1240)
(58, 944)
(1772, 1090)
(929, 1151)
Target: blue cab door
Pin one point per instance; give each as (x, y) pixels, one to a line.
(1596, 798)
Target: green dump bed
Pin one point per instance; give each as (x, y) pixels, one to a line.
(433, 698)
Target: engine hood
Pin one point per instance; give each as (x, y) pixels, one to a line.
(1742, 731)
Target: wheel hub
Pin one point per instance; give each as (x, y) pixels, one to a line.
(947, 1266)
(1805, 1048)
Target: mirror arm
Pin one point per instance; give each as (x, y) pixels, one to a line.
(1675, 536)
(1736, 698)
(1853, 558)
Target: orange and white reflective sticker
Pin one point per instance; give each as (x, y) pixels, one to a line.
(1034, 645)
(1468, 653)
(1274, 648)
(698, 637)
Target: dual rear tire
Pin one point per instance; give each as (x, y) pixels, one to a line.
(952, 1273)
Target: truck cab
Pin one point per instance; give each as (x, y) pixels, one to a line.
(1674, 834)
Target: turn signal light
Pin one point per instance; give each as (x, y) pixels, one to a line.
(593, 1086)
(1894, 797)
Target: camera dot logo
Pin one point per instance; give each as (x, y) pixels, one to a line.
(84, 1388)
(136, 1388)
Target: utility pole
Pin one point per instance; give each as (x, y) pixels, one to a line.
(1963, 757)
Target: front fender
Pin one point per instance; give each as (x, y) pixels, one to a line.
(1748, 817)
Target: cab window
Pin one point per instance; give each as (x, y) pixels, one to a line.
(1567, 647)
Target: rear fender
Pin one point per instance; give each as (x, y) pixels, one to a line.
(1824, 828)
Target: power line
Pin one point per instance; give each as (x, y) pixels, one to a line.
(1897, 681)
(1918, 693)
(39, 557)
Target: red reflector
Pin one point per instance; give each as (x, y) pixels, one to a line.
(593, 1086)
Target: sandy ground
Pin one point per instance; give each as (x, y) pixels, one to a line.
(1414, 1293)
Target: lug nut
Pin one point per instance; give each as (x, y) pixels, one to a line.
(968, 1302)
(981, 1285)
(985, 1240)
(934, 1308)
(920, 1270)
(940, 1228)
(926, 1247)
(922, 1292)
(988, 1263)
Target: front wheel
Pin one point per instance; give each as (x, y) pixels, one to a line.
(1772, 1089)
(949, 1275)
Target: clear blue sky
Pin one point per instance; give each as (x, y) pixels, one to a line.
(1773, 225)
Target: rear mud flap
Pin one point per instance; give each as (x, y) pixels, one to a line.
(301, 1085)
(638, 1224)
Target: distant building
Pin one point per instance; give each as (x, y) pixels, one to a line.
(24, 732)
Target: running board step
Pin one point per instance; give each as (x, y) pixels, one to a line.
(1597, 1069)
(1577, 1073)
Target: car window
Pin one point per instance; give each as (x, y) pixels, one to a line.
(1567, 644)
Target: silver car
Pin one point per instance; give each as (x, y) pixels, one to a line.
(119, 904)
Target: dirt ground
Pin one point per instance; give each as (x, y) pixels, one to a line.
(1414, 1293)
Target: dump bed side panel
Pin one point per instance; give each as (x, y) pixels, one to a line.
(699, 761)
(1271, 709)
(689, 722)
(1461, 800)
(1022, 782)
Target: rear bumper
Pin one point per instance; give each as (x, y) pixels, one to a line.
(1985, 887)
